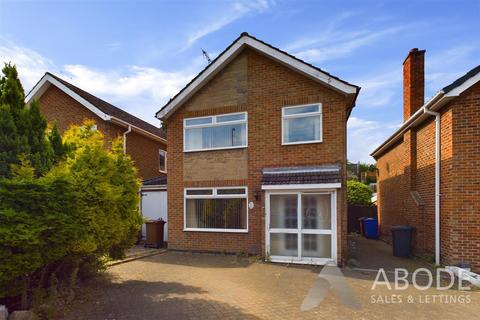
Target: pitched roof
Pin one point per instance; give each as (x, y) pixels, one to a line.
(104, 107)
(457, 83)
(442, 97)
(301, 175)
(232, 51)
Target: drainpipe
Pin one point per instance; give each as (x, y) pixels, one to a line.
(125, 139)
(437, 182)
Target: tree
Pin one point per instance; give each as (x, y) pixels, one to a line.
(22, 128)
(58, 147)
(358, 193)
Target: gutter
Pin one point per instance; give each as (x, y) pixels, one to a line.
(144, 132)
(125, 139)
(437, 182)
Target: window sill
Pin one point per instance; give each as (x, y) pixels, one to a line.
(216, 230)
(215, 149)
(301, 142)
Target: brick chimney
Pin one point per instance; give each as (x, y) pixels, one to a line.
(413, 82)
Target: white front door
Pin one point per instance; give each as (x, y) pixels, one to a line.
(301, 226)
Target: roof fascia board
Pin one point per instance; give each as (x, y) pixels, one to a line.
(48, 78)
(205, 76)
(265, 49)
(464, 86)
(416, 118)
(300, 66)
(438, 101)
(135, 128)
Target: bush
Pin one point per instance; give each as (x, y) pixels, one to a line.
(84, 208)
(358, 193)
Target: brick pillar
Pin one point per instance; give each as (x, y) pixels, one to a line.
(413, 82)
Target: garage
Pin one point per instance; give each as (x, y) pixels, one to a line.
(154, 202)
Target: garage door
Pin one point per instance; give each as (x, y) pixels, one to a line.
(154, 206)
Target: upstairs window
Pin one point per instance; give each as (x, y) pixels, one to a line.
(227, 131)
(302, 124)
(162, 160)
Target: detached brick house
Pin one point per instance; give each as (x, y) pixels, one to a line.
(428, 170)
(66, 104)
(258, 140)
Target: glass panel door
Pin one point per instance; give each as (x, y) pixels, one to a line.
(301, 226)
(284, 225)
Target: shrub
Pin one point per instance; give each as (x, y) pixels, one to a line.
(84, 208)
(358, 193)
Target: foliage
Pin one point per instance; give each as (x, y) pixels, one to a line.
(22, 128)
(85, 207)
(59, 148)
(358, 193)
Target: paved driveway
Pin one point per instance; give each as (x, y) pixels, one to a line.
(198, 286)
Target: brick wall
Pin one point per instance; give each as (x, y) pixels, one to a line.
(464, 216)
(261, 87)
(460, 182)
(59, 107)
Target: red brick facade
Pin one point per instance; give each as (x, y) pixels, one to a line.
(409, 166)
(260, 86)
(59, 107)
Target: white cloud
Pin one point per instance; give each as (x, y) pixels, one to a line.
(30, 64)
(364, 136)
(136, 89)
(237, 11)
(381, 89)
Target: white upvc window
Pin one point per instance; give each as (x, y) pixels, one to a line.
(302, 124)
(222, 209)
(162, 161)
(225, 131)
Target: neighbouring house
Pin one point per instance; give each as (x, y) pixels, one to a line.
(258, 139)
(428, 170)
(65, 104)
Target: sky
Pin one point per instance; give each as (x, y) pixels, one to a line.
(138, 54)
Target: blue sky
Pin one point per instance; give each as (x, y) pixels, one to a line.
(137, 54)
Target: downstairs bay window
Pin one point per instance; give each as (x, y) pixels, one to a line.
(216, 209)
(226, 131)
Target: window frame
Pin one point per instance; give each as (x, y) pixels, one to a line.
(214, 123)
(302, 115)
(159, 155)
(214, 195)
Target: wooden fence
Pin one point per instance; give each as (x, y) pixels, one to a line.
(355, 212)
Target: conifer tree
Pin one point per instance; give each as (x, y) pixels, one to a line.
(22, 128)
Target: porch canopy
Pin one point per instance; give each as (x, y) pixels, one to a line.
(326, 176)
